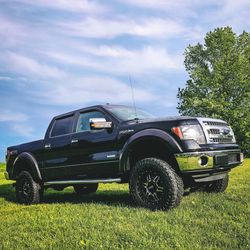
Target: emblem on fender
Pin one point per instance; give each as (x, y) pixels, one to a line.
(127, 131)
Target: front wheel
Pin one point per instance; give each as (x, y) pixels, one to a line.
(27, 190)
(217, 186)
(85, 188)
(155, 185)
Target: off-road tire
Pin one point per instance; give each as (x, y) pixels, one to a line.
(180, 192)
(217, 186)
(166, 193)
(82, 189)
(28, 191)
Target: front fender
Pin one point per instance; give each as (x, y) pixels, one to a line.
(153, 134)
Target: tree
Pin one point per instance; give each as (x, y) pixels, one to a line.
(219, 84)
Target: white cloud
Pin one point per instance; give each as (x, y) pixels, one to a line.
(106, 28)
(11, 32)
(75, 6)
(121, 61)
(27, 66)
(10, 116)
(231, 13)
(23, 130)
(81, 91)
(5, 78)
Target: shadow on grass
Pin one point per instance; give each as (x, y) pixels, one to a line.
(114, 198)
(7, 191)
(111, 198)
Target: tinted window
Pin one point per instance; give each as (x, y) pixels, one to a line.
(125, 113)
(62, 126)
(83, 121)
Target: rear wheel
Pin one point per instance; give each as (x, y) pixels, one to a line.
(155, 185)
(27, 190)
(217, 186)
(85, 188)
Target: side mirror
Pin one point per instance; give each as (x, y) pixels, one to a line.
(99, 123)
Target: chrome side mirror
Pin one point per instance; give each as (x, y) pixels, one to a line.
(99, 123)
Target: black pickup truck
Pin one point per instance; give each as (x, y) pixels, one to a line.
(159, 158)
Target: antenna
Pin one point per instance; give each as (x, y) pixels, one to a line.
(133, 97)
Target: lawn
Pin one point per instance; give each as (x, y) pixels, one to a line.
(109, 220)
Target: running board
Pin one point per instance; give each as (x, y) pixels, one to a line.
(69, 182)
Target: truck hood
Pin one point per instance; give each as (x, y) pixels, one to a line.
(174, 118)
(161, 119)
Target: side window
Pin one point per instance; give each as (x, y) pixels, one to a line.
(83, 120)
(62, 126)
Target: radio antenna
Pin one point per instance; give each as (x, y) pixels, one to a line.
(133, 97)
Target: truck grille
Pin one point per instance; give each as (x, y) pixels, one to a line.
(217, 131)
(211, 123)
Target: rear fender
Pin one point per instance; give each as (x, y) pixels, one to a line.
(26, 161)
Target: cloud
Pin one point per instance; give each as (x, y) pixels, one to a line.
(108, 28)
(5, 78)
(23, 130)
(84, 90)
(10, 116)
(121, 61)
(231, 13)
(86, 6)
(27, 66)
(11, 32)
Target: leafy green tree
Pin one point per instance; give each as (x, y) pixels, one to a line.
(219, 84)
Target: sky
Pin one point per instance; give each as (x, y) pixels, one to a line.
(61, 55)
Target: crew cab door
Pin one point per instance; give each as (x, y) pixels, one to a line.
(57, 145)
(93, 152)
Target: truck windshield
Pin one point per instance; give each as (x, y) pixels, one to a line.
(128, 113)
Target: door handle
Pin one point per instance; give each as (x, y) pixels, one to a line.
(47, 146)
(74, 141)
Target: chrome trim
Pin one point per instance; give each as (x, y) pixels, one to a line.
(32, 159)
(212, 153)
(190, 160)
(82, 181)
(6, 175)
(83, 164)
(241, 157)
(219, 125)
(47, 146)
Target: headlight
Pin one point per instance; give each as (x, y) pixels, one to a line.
(190, 132)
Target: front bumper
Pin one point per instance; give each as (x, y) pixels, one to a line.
(209, 160)
(209, 165)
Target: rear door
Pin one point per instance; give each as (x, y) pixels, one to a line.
(56, 148)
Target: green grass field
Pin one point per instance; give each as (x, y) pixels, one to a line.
(109, 220)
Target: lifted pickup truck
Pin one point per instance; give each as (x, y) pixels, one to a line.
(159, 158)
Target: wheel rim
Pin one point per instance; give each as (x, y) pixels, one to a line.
(150, 187)
(25, 190)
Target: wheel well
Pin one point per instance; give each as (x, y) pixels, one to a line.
(22, 165)
(152, 148)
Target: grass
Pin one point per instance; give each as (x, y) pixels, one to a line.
(109, 220)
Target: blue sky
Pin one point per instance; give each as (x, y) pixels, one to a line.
(56, 56)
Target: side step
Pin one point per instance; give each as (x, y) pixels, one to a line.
(69, 182)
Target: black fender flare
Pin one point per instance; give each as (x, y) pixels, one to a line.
(158, 134)
(32, 163)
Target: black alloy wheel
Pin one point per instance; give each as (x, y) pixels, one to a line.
(155, 185)
(27, 190)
